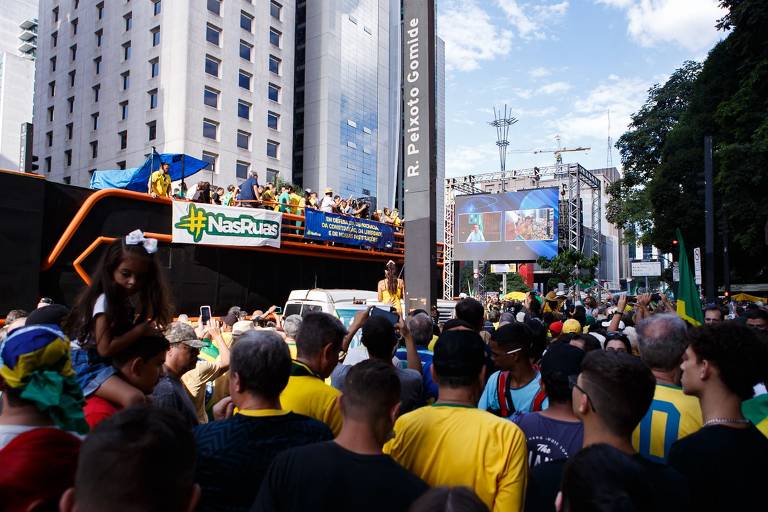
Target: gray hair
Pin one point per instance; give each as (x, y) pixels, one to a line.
(662, 341)
(262, 362)
(421, 328)
(291, 325)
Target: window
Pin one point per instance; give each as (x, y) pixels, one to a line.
(73, 52)
(213, 34)
(121, 164)
(73, 24)
(274, 93)
(271, 175)
(211, 97)
(210, 129)
(71, 104)
(55, 13)
(155, 36)
(211, 158)
(274, 64)
(49, 139)
(212, 66)
(77, 3)
(244, 80)
(156, 8)
(126, 76)
(97, 65)
(274, 37)
(100, 10)
(154, 67)
(245, 50)
(70, 129)
(123, 135)
(95, 121)
(52, 89)
(243, 109)
(242, 169)
(152, 130)
(275, 10)
(124, 110)
(67, 180)
(48, 164)
(72, 78)
(246, 21)
(243, 139)
(647, 251)
(94, 149)
(214, 6)
(273, 120)
(273, 149)
(53, 64)
(96, 88)
(128, 21)
(351, 144)
(127, 50)
(68, 157)
(152, 99)
(99, 37)
(50, 114)
(366, 130)
(54, 39)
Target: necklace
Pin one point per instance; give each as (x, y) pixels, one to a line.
(721, 421)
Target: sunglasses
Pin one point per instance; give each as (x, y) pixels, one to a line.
(508, 352)
(572, 383)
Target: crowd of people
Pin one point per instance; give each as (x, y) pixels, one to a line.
(251, 194)
(121, 403)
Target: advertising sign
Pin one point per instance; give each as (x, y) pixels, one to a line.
(348, 230)
(646, 268)
(210, 224)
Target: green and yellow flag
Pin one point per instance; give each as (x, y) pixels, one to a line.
(688, 301)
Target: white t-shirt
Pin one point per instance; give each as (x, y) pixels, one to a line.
(326, 204)
(99, 308)
(9, 432)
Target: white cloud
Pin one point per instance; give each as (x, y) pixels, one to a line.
(553, 10)
(470, 36)
(539, 72)
(687, 23)
(554, 88)
(530, 20)
(462, 160)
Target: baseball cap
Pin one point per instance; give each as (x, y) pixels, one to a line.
(241, 327)
(328, 190)
(556, 327)
(53, 314)
(179, 332)
(571, 326)
(459, 354)
(562, 358)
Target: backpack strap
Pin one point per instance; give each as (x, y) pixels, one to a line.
(504, 394)
(538, 400)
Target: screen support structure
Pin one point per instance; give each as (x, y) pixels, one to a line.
(419, 153)
(573, 179)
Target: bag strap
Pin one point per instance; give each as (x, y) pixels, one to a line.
(504, 394)
(538, 400)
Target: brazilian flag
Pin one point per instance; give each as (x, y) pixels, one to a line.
(688, 301)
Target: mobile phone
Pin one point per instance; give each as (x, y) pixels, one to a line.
(392, 317)
(205, 315)
(278, 310)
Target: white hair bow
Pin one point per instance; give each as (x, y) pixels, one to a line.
(136, 237)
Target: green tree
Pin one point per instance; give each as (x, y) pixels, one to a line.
(564, 265)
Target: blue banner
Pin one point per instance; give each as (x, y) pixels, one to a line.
(348, 230)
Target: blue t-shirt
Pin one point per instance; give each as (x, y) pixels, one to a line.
(246, 189)
(550, 439)
(522, 397)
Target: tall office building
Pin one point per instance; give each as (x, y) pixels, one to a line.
(212, 79)
(18, 43)
(440, 142)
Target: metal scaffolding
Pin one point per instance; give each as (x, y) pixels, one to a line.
(570, 178)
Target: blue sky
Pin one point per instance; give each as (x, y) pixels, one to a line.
(561, 66)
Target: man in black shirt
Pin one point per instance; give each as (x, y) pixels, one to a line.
(349, 473)
(725, 461)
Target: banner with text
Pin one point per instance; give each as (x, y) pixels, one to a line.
(348, 230)
(210, 224)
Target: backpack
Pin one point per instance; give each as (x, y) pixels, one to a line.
(504, 394)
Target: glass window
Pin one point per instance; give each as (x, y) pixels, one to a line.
(243, 139)
(273, 149)
(273, 120)
(211, 158)
(53, 64)
(71, 104)
(55, 12)
(74, 27)
(94, 149)
(54, 39)
(210, 129)
(214, 6)
(52, 88)
(99, 37)
(241, 169)
(96, 89)
(274, 93)
(97, 64)
(70, 129)
(50, 114)
(127, 50)
(124, 110)
(68, 157)
(95, 121)
(244, 80)
(243, 109)
(49, 139)
(213, 34)
(123, 139)
(48, 164)
(211, 97)
(128, 21)
(245, 50)
(152, 130)
(72, 78)
(73, 51)
(212, 66)
(274, 37)
(155, 36)
(100, 10)
(154, 68)
(152, 98)
(126, 79)
(246, 21)
(157, 7)
(271, 175)
(275, 10)
(274, 64)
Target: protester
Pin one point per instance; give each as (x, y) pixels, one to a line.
(712, 314)
(140, 365)
(350, 473)
(268, 197)
(142, 458)
(318, 345)
(53, 314)
(586, 342)
(205, 370)
(40, 420)
(128, 298)
(291, 326)
(757, 318)
(724, 461)
(234, 453)
(169, 392)
(13, 320)
(617, 341)
(327, 202)
(453, 442)
(449, 499)
(228, 199)
(160, 182)
(672, 415)
(202, 193)
(391, 289)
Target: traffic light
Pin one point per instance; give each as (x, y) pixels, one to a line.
(33, 167)
(674, 242)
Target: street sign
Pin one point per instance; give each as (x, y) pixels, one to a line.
(646, 268)
(503, 268)
(697, 264)
(676, 272)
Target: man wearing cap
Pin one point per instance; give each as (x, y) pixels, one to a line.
(454, 443)
(571, 326)
(207, 369)
(326, 203)
(170, 393)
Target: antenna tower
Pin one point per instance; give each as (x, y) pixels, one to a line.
(502, 120)
(609, 158)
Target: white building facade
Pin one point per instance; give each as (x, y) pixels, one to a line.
(212, 79)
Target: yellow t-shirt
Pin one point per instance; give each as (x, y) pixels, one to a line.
(393, 299)
(672, 416)
(195, 381)
(445, 445)
(309, 395)
(160, 184)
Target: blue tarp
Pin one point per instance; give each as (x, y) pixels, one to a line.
(136, 178)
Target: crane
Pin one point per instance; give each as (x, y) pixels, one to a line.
(557, 152)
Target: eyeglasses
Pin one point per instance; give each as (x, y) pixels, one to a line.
(508, 352)
(572, 383)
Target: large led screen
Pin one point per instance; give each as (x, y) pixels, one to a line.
(513, 226)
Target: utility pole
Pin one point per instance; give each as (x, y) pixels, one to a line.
(709, 223)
